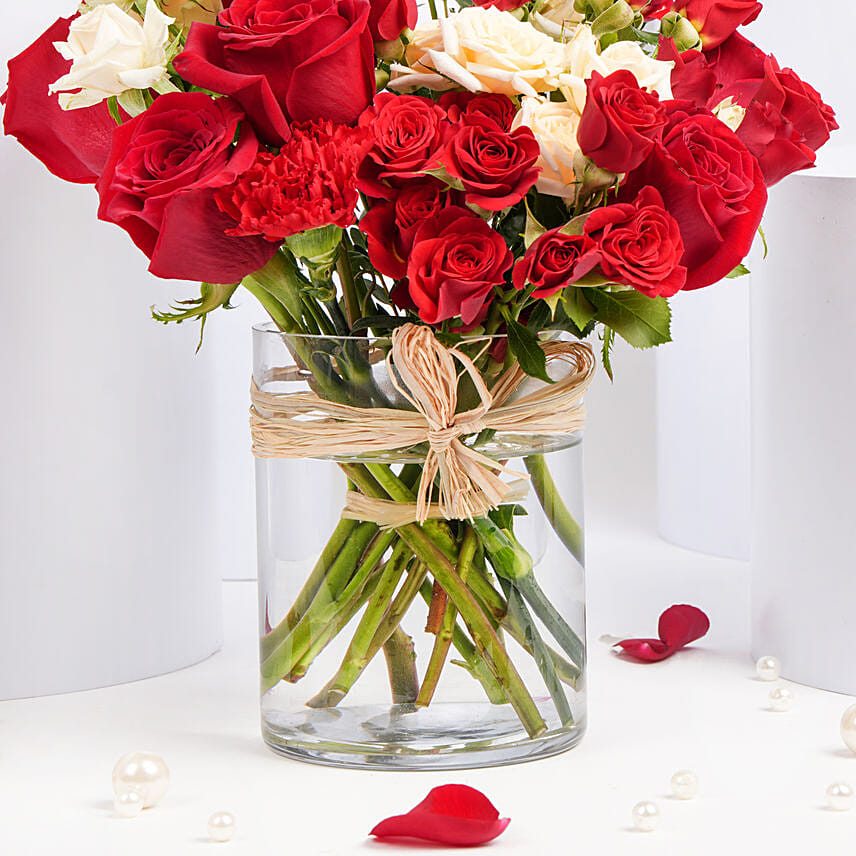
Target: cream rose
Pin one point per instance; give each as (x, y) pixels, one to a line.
(557, 18)
(554, 124)
(112, 52)
(483, 50)
(583, 56)
(729, 112)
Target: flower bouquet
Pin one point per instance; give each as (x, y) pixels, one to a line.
(435, 215)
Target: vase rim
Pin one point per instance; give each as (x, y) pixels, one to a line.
(269, 327)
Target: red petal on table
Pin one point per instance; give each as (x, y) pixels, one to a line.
(451, 814)
(679, 625)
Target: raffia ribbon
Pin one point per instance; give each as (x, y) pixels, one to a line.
(425, 372)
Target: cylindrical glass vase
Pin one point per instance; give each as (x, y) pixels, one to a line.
(366, 659)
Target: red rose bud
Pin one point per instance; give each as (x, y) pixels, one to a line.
(407, 134)
(389, 18)
(555, 260)
(390, 227)
(495, 167)
(454, 815)
(160, 185)
(285, 61)
(639, 244)
(679, 625)
(311, 183)
(455, 263)
(716, 20)
(72, 144)
(462, 106)
(712, 185)
(786, 122)
(620, 122)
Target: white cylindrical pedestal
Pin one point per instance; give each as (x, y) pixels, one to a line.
(703, 422)
(803, 416)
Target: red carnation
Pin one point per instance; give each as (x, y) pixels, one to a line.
(72, 144)
(310, 183)
(495, 167)
(455, 263)
(639, 244)
(160, 185)
(462, 106)
(711, 184)
(390, 227)
(716, 20)
(554, 261)
(286, 61)
(620, 122)
(407, 134)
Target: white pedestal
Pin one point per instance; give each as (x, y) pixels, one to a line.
(803, 416)
(703, 422)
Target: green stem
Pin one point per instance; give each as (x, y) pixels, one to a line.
(340, 536)
(443, 640)
(400, 655)
(565, 526)
(346, 276)
(480, 627)
(540, 652)
(357, 656)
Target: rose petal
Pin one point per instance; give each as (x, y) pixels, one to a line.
(678, 626)
(681, 624)
(451, 814)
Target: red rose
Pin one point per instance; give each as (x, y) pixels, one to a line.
(711, 184)
(734, 63)
(716, 20)
(408, 133)
(496, 167)
(455, 263)
(786, 121)
(620, 122)
(553, 261)
(639, 244)
(390, 227)
(160, 182)
(72, 144)
(285, 60)
(311, 183)
(389, 17)
(461, 106)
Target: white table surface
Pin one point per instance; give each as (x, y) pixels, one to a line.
(763, 774)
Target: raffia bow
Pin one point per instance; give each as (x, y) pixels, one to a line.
(424, 371)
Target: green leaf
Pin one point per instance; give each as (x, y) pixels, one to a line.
(378, 322)
(211, 297)
(524, 345)
(605, 354)
(577, 307)
(533, 229)
(642, 321)
(740, 270)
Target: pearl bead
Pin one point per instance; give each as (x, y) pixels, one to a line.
(839, 796)
(684, 785)
(143, 772)
(768, 668)
(848, 728)
(128, 804)
(645, 816)
(781, 699)
(221, 826)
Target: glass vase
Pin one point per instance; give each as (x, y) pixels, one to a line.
(367, 660)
